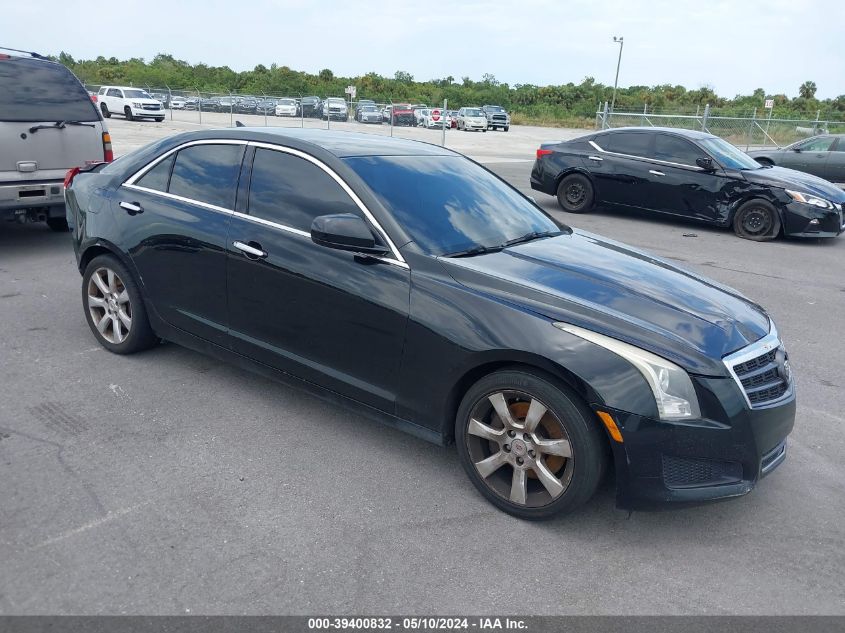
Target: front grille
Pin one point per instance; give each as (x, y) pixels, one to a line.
(500, 117)
(763, 378)
(151, 107)
(688, 472)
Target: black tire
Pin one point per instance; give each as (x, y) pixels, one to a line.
(577, 475)
(575, 193)
(127, 112)
(160, 119)
(757, 220)
(59, 225)
(105, 110)
(484, 130)
(506, 128)
(140, 335)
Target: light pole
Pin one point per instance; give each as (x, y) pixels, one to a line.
(619, 40)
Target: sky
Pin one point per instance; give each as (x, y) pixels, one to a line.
(732, 46)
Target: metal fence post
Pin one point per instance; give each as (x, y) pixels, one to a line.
(751, 129)
(604, 122)
(301, 113)
(391, 117)
(199, 104)
(328, 114)
(264, 100)
(170, 101)
(443, 121)
(706, 116)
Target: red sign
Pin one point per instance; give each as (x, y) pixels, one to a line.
(435, 115)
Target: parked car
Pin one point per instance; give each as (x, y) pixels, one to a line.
(210, 104)
(287, 107)
(387, 113)
(541, 351)
(246, 105)
(312, 107)
(402, 115)
(225, 104)
(48, 125)
(434, 118)
(453, 118)
(470, 119)
(369, 114)
(266, 106)
(192, 103)
(133, 103)
(497, 117)
(361, 103)
(336, 109)
(178, 103)
(822, 156)
(688, 174)
(418, 113)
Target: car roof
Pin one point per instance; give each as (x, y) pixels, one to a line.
(341, 144)
(690, 134)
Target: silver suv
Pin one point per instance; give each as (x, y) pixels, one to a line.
(48, 125)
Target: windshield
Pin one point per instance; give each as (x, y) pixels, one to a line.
(369, 108)
(448, 203)
(728, 155)
(33, 90)
(136, 94)
(472, 112)
(495, 108)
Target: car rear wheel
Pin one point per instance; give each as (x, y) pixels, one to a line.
(105, 110)
(114, 307)
(529, 445)
(575, 193)
(506, 128)
(757, 220)
(127, 112)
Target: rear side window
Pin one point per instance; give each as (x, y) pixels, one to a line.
(35, 90)
(292, 191)
(675, 150)
(207, 173)
(631, 143)
(158, 177)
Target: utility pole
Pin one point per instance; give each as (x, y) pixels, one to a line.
(618, 40)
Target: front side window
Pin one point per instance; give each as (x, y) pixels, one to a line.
(676, 150)
(630, 143)
(292, 191)
(207, 173)
(821, 144)
(448, 204)
(728, 155)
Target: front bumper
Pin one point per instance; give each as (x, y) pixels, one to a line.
(667, 464)
(139, 113)
(803, 220)
(470, 125)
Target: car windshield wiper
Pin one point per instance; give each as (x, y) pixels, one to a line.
(58, 125)
(530, 237)
(476, 250)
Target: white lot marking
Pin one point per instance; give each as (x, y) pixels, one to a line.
(111, 516)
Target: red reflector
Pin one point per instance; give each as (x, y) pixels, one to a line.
(4, 56)
(70, 175)
(543, 152)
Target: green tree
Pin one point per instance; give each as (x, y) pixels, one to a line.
(807, 90)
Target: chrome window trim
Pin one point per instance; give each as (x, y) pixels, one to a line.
(129, 184)
(645, 158)
(757, 348)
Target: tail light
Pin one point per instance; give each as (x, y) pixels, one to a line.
(70, 175)
(94, 98)
(543, 152)
(108, 154)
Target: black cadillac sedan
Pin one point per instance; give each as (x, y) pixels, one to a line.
(687, 174)
(412, 285)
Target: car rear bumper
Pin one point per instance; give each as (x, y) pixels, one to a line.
(27, 195)
(663, 464)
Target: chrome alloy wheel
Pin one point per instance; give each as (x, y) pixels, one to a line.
(520, 448)
(109, 306)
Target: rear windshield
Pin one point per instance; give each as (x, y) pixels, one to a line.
(34, 90)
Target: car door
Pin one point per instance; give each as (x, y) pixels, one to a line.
(115, 100)
(835, 168)
(187, 200)
(679, 186)
(328, 316)
(810, 156)
(620, 168)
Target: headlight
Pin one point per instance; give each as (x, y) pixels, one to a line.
(672, 388)
(808, 198)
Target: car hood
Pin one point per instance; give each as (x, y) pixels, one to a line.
(611, 288)
(796, 180)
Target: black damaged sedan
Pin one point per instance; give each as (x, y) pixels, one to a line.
(410, 284)
(688, 174)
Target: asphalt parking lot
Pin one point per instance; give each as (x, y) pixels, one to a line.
(167, 482)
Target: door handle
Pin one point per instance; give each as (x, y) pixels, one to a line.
(598, 159)
(131, 207)
(252, 252)
(655, 172)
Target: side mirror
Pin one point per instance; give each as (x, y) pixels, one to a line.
(796, 149)
(705, 163)
(345, 232)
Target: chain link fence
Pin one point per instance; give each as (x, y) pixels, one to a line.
(748, 132)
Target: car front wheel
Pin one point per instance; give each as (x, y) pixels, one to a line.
(114, 307)
(529, 445)
(105, 110)
(757, 220)
(575, 193)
